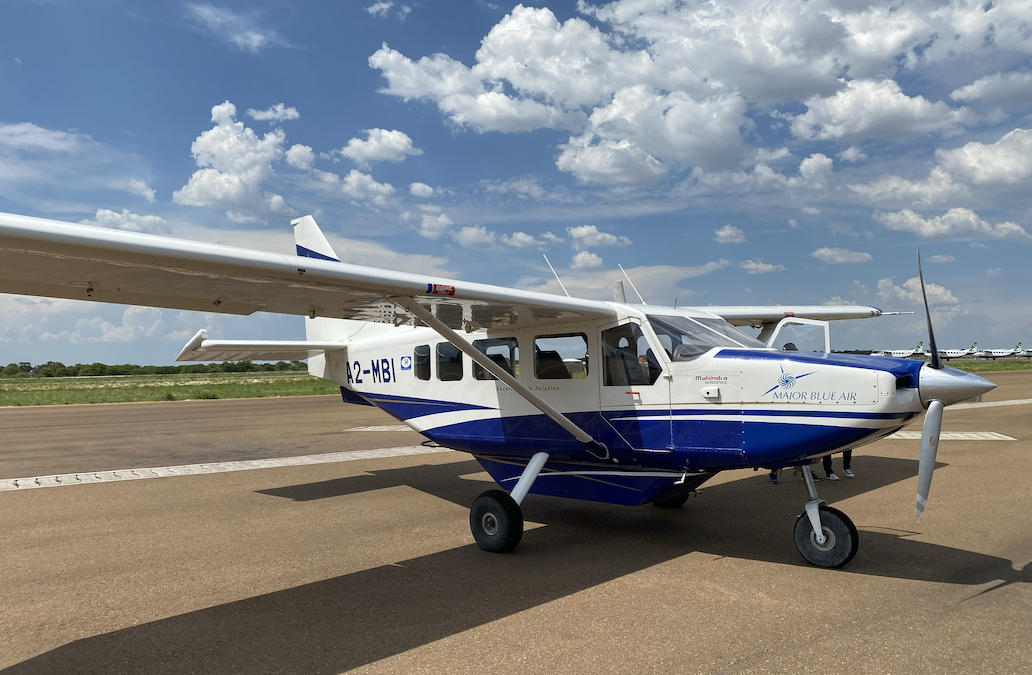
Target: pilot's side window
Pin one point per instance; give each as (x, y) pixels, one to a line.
(626, 357)
(561, 357)
(503, 351)
(421, 361)
(449, 362)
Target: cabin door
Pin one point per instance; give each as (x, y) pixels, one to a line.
(634, 398)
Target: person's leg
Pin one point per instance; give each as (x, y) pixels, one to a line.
(847, 457)
(827, 463)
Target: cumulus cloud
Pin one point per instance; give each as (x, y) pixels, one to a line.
(552, 238)
(420, 190)
(276, 113)
(235, 162)
(1004, 168)
(1008, 161)
(300, 157)
(478, 237)
(940, 259)
(583, 260)
(380, 145)
(955, 222)
(380, 8)
(837, 256)
(432, 225)
(131, 222)
(910, 291)
(994, 271)
(362, 187)
(523, 240)
(137, 322)
(877, 109)
(852, 154)
(811, 210)
(729, 234)
(997, 88)
(589, 236)
(759, 267)
(240, 30)
(136, 186)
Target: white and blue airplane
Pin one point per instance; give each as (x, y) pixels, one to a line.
(901, 353)
(606, 401)
(947, 354)
(999, 353)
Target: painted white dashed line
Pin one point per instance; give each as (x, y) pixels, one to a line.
(385, 427)
(65, 479)
(990, 404)
(952, 436)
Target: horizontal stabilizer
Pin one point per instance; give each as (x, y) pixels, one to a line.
(199, 348)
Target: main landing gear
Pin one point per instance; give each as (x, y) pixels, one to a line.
(823, 535)
(496, 519)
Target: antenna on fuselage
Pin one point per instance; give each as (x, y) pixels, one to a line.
(556, 275)
(632, 284)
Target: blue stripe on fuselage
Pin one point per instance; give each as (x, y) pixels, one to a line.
(406, 407)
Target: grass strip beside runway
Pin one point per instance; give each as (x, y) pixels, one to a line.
(73, 390)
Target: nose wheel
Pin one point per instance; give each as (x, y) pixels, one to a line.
(840, 538)
(823, 535)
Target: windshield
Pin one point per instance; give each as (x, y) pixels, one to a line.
(685, 339)
(727, 330)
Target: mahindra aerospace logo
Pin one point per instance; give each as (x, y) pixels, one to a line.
(787, 380)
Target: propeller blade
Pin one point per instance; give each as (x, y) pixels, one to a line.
(935, 362)
(929, 448)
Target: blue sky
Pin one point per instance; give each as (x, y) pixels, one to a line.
(732, 152)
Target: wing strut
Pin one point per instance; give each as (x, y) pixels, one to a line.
(409, 304)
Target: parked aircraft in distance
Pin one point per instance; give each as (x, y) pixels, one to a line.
(998, 353)
(948, 354)
(604, 401)
(901, 353)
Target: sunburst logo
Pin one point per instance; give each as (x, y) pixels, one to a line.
(787, 380)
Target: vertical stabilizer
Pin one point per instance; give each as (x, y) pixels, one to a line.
(310, 241)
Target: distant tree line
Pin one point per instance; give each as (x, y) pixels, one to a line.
(58, 369)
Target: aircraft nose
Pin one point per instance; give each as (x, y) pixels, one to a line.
(951, 385)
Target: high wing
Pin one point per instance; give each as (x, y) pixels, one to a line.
(761, 314)
(63, 260)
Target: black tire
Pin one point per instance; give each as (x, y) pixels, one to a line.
(672, 502)
(496, 522)
(842, 544)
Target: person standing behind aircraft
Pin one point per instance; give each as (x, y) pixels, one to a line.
(847, 456)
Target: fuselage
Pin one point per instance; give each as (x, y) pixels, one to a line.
(662, 408)
(998, 353)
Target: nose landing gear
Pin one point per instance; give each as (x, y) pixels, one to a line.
(826, 537)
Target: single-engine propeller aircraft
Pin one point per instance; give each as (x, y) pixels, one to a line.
(607, 401)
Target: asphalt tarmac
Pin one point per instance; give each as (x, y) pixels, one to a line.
(370, 566)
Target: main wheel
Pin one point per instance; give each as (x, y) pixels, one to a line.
(672, 502)
(496, 521)
(841, 539)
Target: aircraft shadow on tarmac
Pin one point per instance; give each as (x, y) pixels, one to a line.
(348, 621)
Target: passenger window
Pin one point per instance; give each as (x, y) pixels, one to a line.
(449, 362)
(627, 358)
(421, 362)
(503, 351)
(561, 357)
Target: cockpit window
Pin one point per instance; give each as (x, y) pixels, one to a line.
(685, 339)
(727, 330)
